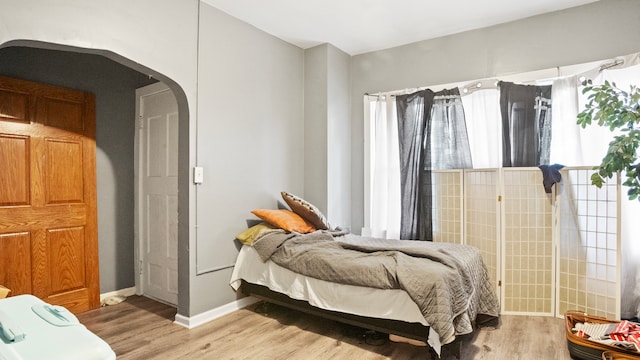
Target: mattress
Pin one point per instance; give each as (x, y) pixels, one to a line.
(393, 304)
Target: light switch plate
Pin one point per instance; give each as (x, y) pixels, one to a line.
(198, 175)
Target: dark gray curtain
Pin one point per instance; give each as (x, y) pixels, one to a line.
(526, 124)
(415, 178)
(449, 139)
(433, 135)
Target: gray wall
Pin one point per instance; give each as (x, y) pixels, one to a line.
(249, 140)
(327, 132)
(316, 104)
(338, 140)
(114, 86)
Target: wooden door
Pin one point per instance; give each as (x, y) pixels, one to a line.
(48, 219)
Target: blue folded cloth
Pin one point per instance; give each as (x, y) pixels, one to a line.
(550, 176)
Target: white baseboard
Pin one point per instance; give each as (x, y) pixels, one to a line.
(125, 292)
(197, 320)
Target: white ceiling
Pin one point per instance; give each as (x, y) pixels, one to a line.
(359, 26)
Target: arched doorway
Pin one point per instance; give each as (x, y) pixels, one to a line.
(113, 79)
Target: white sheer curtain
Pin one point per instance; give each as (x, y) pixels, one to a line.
(567, 143)
(382, 218)
(574, 146)
(484, 126)
(630, 209)
(571, 145)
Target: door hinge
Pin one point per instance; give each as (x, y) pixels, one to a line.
(499, 282)
(140, 122)
(499, 198)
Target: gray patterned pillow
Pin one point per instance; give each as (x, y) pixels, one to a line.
(307, 211)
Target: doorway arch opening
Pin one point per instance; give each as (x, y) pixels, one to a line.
(110, 76)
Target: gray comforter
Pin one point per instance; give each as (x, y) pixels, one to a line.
(448, 282)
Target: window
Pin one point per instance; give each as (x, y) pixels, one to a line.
(466, 208)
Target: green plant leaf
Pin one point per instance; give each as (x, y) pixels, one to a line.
(619, 111)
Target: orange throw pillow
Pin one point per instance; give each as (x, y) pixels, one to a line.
(285, 219)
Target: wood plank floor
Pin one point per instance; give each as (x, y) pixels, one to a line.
(140, 328)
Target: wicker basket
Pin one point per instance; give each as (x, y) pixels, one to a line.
(580, 348)
(614, 355)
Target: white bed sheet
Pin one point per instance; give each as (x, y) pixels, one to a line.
(394, 304)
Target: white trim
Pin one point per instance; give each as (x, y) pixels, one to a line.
(124, 292)
(202, 318)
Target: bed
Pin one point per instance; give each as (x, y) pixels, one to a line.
(431, 292)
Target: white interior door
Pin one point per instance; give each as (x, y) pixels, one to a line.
(157, 193)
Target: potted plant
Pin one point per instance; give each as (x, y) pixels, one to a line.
(619, 110)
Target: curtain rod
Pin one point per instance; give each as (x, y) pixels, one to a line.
(627, 60)
(616, 62)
